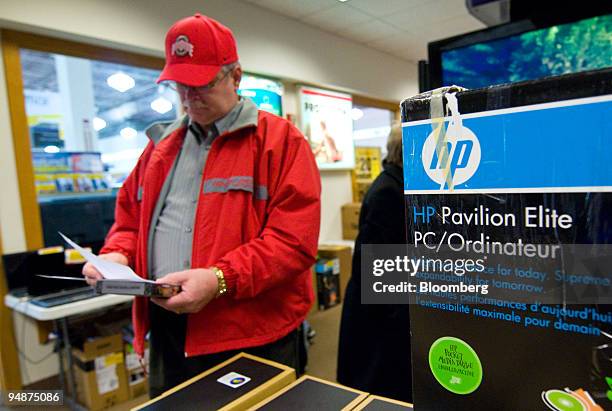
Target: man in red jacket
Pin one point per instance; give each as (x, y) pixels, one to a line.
(225, 202)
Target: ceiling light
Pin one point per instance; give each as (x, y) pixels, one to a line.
(120, 82)
(128, 133)
(98, 123)
(161, 105)
(51, 149)
(356, 114)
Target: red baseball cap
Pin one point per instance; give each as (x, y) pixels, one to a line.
(196, 48)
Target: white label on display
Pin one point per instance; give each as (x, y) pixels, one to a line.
(234, 380)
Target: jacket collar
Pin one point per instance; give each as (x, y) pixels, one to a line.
(396, 172)
(244, 114)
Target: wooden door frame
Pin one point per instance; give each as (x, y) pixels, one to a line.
(12, 42)
(10, 372)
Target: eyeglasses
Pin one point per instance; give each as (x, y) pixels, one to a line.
(182, 88)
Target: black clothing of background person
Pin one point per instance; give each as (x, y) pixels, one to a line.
(374, 349)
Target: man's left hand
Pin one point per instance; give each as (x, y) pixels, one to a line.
(198, 287)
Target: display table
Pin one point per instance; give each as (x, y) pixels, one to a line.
(310, 393)
(59, 315)
(25, 307)
(377, 403)
(235, 384)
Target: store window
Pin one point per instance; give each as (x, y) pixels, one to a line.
(86, 121)
(371, 126)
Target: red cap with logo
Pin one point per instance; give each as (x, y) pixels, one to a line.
(196, 48)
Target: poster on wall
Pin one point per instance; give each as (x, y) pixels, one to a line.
(325, 120)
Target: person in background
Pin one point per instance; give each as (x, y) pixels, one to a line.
(374, 349)
(224, 202)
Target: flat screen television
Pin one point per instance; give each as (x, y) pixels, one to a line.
(520, 51)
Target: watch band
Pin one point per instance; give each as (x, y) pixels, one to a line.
(222, 285)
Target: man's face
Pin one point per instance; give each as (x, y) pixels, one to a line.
(204, 105)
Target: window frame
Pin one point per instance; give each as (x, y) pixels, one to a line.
(12, 42)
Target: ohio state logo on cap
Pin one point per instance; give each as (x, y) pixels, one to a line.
(182, 46)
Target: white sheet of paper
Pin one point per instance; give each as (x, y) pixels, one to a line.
(108, 269)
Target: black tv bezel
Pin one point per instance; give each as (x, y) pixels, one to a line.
(436, 48)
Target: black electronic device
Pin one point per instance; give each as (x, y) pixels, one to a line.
(533, 47)
(23, 270)
(64, 297)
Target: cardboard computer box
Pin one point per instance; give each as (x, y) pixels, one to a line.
(311, 393)
(137, 371)
(378, 403)
(235, 384)
(520, 167)
(350, 220)
(100, 372)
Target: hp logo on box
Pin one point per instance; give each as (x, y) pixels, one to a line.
(454, 161)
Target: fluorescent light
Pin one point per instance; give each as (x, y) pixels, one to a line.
(98, 123)
(161, 105)
(51, 149)
(342, 1)
(128, 133)
(356, 114)
(129, 154)
(120, 82)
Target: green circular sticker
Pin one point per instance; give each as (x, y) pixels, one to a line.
(455, 365)
(563, 401)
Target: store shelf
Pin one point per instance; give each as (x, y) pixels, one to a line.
(71, 197)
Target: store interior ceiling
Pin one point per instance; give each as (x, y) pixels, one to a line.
(117, 108)
(402, 28)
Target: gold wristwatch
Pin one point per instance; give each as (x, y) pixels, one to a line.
(222, 285)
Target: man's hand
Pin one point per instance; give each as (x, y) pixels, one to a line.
(198, 287)
(92, 275)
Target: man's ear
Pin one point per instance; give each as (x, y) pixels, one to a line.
(237, 76)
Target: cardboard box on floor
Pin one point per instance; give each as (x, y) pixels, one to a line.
(136, 371)
(100, 372)
(350, 220)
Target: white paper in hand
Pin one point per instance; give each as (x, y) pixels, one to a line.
(109, 269)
